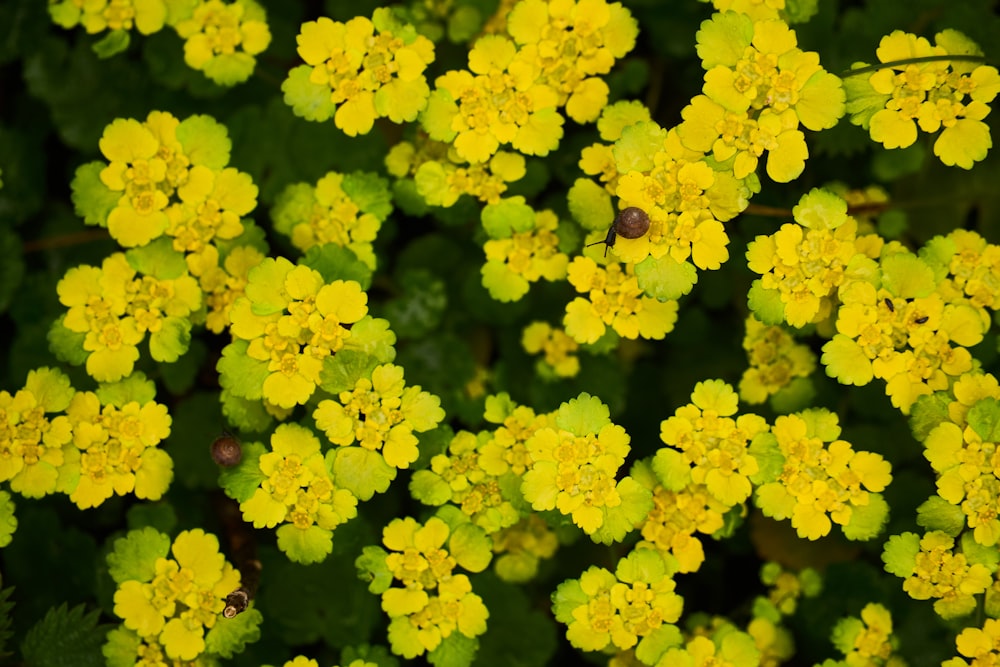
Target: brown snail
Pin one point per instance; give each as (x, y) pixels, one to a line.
(630, 223)
(226, 450)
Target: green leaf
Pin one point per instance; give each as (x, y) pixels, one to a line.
(637, 502)
(65, 344)
(337, 263)
(308, 545)
(136, 387)
(245, 414)
(308, 100)
(180, 376)
(6, 620)
(590, 205)
(671, 469)
(171, 341)
(158, 259)
(121, 647)
(509, 215)
(8, 524)
(514, 616)
(134, 556)
(230, 636)
(342, 371)
(239, 374)
(900, 554)
(770, 461)
(583, 415)
(984, 418)
(205, 141)
(907, 276)
(65, 636)
(372, 336)
(766, 304)
(240, 481)
(373, 569)
(977, 553)
(820, 209)
(665, 278)
(568, 597)
(936, 513)
(638, 143)
(456, 650)
(658, 642)
(471, 547)
(862, 101)
(115, 42)
(867, 521)
(429, 488)
(370, 192)
(361, 471)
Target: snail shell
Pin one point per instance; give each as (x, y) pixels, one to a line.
(226, 450)
(631, 223)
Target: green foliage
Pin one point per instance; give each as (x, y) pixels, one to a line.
(878, 248)
(66, 636)
(134, 556)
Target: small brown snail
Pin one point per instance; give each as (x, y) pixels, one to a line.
(630, 223)
(226, 450)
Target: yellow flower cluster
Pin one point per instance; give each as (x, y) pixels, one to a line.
(520, 548)
(636, 603)
(775, 360)
(676, 517)
(221, 39)
(101, 446)
(458, 477)
(146, 16)
(558, 347)
(572, 43)
(708, 446)
(372, 426)
(974, 269)
(113, 308)
(433, 601)
(576, 473)
(935, 94)
(183, 598)
(440, 176)
(967, 467)
(507, 451)
(513, 88)
(685, 200)
(980, 646)
(222, 281)
(824, 479)
(613, 299)
(942, 573)
(171, 178)
(759, 87)
(524, 257)
(367, 69)
(807, 265)
(115, 450)
(917, 345)
(304, 324)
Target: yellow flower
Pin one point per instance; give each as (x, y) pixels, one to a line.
(222, 39)
(497, 101)
(373, 68)
(570, 42)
